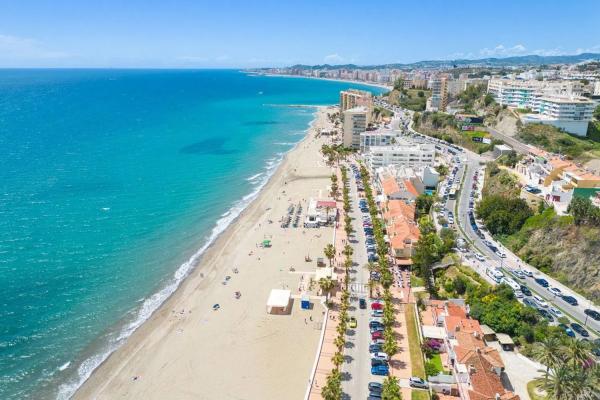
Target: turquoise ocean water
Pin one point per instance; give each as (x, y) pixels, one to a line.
(112, 182)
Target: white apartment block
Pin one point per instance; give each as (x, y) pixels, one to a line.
(555, 103)
(386, 137)
(413, 156)
(572, 114)
(526, 94)
(356, 121)
(596, 91)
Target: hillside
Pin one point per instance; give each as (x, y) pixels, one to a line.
(554, 140)
(551, 243)
(491, 61)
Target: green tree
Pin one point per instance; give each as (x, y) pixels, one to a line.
(577, 351)
(423, 204)
(597, 113)
(488, 99)
(391, 389)
(337, 359)
(326, 285)
(333, 388)
(329, 252)
(548, 353)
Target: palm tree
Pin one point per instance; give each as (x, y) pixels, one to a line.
(329, 252)
(337, 359)
(559, 384)
(577, 351)
(348, 251)
(391, 389)
(390, 346)
(326, 285)
(333, 388)
(339, 342)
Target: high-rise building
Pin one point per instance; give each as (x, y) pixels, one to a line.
(439, 94)
(526, 94)
(355, 98)
(572, 114)
(356, 121)
(407, 155)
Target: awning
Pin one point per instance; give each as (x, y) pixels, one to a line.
(279, 298)
(433, 332)
(504, 339)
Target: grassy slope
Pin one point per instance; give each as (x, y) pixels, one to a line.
(552, 139)
(416, 355)
(553, 243)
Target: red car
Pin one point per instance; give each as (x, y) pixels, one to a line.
(377, 335)
(376, 306)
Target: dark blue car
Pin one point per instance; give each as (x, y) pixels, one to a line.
(542, 282)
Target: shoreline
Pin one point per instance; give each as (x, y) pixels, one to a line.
(97, 381)
(377, 85)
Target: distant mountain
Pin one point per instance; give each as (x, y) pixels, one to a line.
(484, 62)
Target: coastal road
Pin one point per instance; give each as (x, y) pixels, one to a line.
(472, 162)
(357, 368)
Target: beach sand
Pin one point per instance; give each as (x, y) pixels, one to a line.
(188, 351)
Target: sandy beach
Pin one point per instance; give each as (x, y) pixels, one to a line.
(188, 351)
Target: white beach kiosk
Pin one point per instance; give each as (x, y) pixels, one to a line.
(279, 302)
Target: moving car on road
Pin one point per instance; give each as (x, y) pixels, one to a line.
(542, 282)
(570, 300)
(567, 330)
(362, 303)
(353, 323)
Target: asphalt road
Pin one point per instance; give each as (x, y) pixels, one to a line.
(472, 162)
(358, 361)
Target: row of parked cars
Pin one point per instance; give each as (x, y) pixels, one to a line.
(367, 224)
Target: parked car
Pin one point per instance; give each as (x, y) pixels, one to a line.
(375, 348)
(362, 303)
(377, 335)
(418, 383)
(570, 300)
(525, 290)
(353, 323)
(555, 291)
(530, 303)
(546, 314)
(380, 356)
(567, 330)
(376, 306)
(539, 301)
(377, 361)
(592, 313)
(375, 387)
(377, 341)
(380, 370)
(580, 329)
(556, 312)
(374, 324)
(542, 282)
(378, 328)
(377, 313)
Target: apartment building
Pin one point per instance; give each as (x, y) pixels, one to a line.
(527, 93)
(407, 155)
(439, 94)
(355, 98)
(571, 114)
(557, 103)
(383, 137)
(356, 121)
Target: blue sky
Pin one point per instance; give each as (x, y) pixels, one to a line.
(222, 33)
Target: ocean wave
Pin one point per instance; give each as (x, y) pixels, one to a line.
(254, 177)
(151, 304)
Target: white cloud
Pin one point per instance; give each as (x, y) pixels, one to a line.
(16, 49)
(333, 59)
(503, 51)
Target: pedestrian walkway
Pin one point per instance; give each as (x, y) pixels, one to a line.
(359, 288)
(328, 349)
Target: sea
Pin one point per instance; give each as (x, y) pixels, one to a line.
(112, 185)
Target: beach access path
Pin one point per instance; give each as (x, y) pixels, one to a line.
(186, 350)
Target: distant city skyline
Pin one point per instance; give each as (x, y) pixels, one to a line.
(66, 33)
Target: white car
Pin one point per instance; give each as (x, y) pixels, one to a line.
(556, 312)
(479, 257)
(527, 272)
(555, 291)
(378, 341)
(539, 301)
(380, 356)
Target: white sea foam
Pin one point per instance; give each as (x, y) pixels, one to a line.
(66, 390)
(254, 177)
(64, 366)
